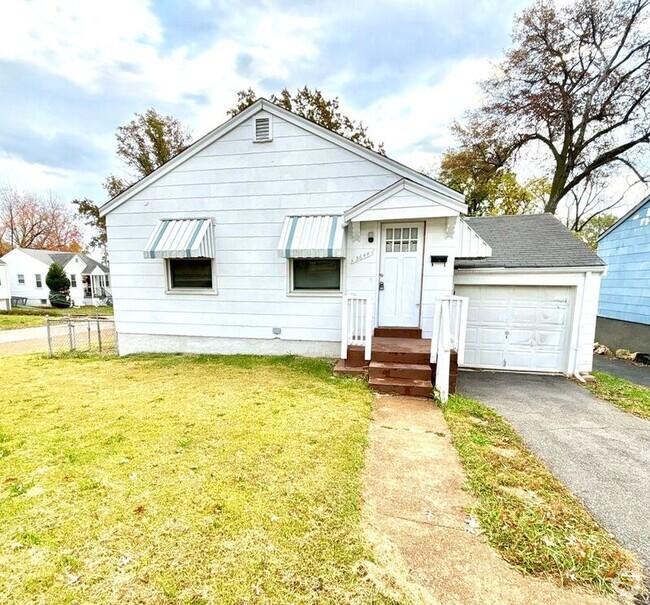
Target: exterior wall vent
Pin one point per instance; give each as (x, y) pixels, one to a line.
(262, 130)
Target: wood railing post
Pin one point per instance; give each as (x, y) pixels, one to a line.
(344, 328)
(370, 311)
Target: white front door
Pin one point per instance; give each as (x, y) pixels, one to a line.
(400, 274)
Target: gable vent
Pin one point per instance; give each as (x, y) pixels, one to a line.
(262, 130)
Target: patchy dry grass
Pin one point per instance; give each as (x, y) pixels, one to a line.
(527, 514)
(34, 317)
(626, 395)
(181, 479)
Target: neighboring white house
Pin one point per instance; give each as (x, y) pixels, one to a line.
(5, 288)
(251, 240)
(27, 269)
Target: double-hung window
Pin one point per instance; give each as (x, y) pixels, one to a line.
(39, 280)
(21, 278)
(309, 274)
(187, 248)
(314, 246)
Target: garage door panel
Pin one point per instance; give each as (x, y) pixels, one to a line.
(517, 327)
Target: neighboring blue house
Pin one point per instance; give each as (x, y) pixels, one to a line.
(624, 308)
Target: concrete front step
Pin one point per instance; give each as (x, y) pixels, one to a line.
(397, 332)
(402, 386)
(413, 371)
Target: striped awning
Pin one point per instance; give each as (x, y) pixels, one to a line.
(316, 236)
(181, 238)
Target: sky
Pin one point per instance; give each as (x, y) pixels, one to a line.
(72, 71)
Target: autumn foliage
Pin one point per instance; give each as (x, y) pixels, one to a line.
(29, 220)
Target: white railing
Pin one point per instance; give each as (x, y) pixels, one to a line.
(356, 324)
(449, 331)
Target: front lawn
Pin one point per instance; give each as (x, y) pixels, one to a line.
(32, 317)
(181, 479)
(527, 514)
(626, 395)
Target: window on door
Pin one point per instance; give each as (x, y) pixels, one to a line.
(402, 239)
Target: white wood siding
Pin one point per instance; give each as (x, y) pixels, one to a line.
(19, 263)
(248, 189)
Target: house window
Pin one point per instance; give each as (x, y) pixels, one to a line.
(73, 281)
(21, 278)
(309, 274)
(190, 273)
(43, 301)
(39, 281)
(107, 283)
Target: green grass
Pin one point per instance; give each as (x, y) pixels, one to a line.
(528, 515)
(626, 395)
(181, 479)
(30, 317)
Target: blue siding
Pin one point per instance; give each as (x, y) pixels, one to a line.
(625, 290)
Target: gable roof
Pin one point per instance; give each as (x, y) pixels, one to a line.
(627, 215)
(312, 127)
(47, 257)
(528, 241)
(403, 185)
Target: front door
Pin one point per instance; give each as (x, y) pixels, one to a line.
(400, 274)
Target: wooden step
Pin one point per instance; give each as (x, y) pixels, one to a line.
(400, 357)
(402, 386)
(413, 371)
(397, 332)
(342, 369)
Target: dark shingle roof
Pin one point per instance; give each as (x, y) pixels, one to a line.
(48, 257)
(528, 240)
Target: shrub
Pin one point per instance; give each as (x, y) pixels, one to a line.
(59, 284)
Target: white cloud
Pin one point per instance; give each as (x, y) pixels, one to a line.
(421, 116)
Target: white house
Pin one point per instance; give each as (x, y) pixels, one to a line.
(5, 289)
(273, 235)
(27, 269)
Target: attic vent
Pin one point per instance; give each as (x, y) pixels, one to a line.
(262, 130)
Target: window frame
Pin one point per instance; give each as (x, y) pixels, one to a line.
(197, 291)
(291, 291)
(20, 277)
(38, 278)
(73, 280)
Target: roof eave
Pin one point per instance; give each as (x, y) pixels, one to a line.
(265, 105)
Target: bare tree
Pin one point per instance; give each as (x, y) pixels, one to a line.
(575, 86)
(29, 220)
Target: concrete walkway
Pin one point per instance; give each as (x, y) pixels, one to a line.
(415, 505)
(599, 452)
(637, 374)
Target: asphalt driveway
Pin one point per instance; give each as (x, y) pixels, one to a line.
(599, 452)
(636, 373)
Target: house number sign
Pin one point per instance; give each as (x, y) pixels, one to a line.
(362, 256)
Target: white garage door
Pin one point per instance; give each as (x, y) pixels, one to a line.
(517, 327)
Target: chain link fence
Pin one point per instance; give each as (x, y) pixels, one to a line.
(80, 333)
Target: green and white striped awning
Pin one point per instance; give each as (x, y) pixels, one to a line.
(181, 238)
(315, 236)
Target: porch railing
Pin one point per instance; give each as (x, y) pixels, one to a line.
(356, 324)
(449, 332)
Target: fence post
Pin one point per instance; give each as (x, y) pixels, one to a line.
(72, 347)
(49, 336)
(99, 331)
(89, 340)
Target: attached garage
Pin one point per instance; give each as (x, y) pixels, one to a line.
(518, 327)
(532, 303)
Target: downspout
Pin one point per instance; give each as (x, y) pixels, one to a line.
(576, 348)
